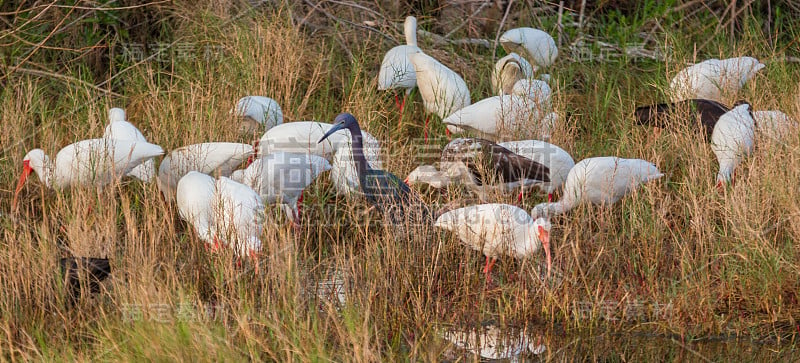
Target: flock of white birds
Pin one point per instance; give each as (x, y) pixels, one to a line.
(227, 209)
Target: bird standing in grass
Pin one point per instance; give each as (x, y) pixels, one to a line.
(382, 189)
(443, 91)
(397, 71)
(498, 229)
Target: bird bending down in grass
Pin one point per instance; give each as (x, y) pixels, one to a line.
(600, 180)
(220, 158)
(498, 229)
(281, 177)
(507, 71)
(732, 140)
(96, 162)
(302, 137)
(258, 111)
(533, 43)
(397, 71)
(443, 91)
(382, 189)
(525, 112)
(222, 212)
(714, 79)
(120, 129)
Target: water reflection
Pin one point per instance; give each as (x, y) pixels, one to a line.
(491, 342)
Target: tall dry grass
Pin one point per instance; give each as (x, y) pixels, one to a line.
(677, 257)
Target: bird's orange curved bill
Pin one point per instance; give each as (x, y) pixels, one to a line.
(26, 170)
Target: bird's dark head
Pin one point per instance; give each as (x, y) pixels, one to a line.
(342, 121)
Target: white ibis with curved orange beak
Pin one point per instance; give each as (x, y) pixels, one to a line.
(88, 162)
(498, 229)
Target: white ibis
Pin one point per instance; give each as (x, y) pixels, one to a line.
(88, 162)
(381, 188)
(302, 137)
(281, 177)
(507, 71)
(498, 229)
(397, 71)
(259, 110)
(600, 180)
(443, 91)
(493, 343)
(520, 114)
(558, 161)
(344, 174)
(207, 158)
(119, 128)
(222, 211)
(538, 45)
(665, 114)
(714, 79)
(774, 125)
(732, 140)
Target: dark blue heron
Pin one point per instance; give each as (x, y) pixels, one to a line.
(382, 189)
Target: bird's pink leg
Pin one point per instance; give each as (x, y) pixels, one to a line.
(403, 104)
(299, 207)
(397, 102)
(519, 197)
(549, 197)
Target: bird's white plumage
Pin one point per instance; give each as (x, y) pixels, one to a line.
(397, 71)
(263, 110)
(119, 128)
(599, 180)
(714, 79)
(303, 137)
(555, 158)
(343, 170)
(774, 125)
(507, 71)
(90, 162)
(239, 213)
(281, 177)
(443, 91)
(207, 158)
(521, 114)
(194, 195)
(732, 140)
(533, 43)
(495, 229)
(222, 210)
